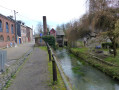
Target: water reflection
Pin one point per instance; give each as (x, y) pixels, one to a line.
(82, 76)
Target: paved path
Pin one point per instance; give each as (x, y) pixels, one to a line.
(16, 52)
(34, 75)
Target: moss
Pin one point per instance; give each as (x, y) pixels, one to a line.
(43, 48)
(59, 85)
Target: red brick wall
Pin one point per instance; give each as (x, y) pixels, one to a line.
(4, 33)
(4, 44)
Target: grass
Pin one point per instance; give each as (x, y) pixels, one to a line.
(59, 85)
(83, 50)
(43, 48)
(112, 59)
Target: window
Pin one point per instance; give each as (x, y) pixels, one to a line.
(12, 31)
(7, 27)
(13, 38)
(0, 26)
(8, 38)
(1, 38)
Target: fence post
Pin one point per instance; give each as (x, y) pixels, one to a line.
(47, 46)
(54, 70)
(49, 51)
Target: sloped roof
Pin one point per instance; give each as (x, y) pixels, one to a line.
(52, 30)
(8, 18)
(59, 32)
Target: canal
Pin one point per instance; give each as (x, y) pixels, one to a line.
(82, 76)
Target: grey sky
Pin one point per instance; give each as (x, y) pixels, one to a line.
(31, 11)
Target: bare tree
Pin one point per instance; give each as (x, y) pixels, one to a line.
(39, 28)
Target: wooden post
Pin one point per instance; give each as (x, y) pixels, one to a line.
(49, 51)
(54, 70)
(47, 47)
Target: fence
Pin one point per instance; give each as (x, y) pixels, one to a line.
(3, 57)
(54, 63)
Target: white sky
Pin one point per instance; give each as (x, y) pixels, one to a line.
(56, 11)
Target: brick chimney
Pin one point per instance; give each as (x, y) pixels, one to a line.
(44, 25)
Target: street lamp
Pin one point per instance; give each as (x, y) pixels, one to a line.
(15, 25)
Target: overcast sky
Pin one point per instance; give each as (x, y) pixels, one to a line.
(56, 11)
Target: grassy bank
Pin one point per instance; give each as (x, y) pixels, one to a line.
(84, 54)
(59, 85)
(112, 59)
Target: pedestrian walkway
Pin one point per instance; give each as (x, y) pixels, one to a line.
(34, 75)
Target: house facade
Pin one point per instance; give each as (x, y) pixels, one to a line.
(29, 33)
(24, 38)
(53, 32)
(8, 34)
(60, 37)
(7, 31)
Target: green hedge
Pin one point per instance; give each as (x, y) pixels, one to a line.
(50, 40)
(107, 44)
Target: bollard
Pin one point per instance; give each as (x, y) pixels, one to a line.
(54, 70)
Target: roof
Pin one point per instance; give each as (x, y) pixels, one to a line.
(52, 30)
(8, 18)
(59, 32)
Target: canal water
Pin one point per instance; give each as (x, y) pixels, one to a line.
(82, 76)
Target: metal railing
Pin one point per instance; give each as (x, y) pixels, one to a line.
(54, 63)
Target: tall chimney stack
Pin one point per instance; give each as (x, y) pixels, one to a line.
(44, 25)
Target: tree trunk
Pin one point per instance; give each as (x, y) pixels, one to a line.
(114, 48)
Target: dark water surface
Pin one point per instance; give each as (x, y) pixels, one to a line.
(83, 76)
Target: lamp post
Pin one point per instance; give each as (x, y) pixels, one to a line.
(15, 25)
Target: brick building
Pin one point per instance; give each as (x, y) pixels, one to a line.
(24, 33)
(24, 38)
(53, 32)
(29, 34)
(7, 31)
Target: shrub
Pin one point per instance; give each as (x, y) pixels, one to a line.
(107, 44)
(50, 40)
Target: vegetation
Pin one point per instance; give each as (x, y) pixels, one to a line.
(101, 19)
(112, 59)
(50, 40)
(59, 85)
(112, 71)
